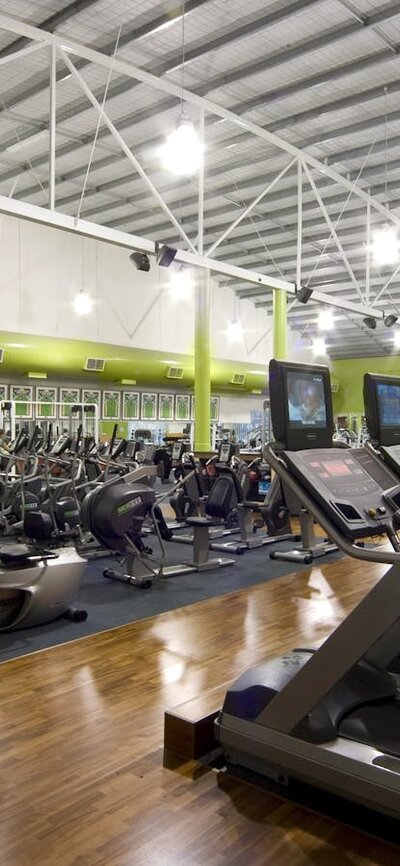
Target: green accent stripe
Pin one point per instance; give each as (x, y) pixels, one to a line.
(61, 358)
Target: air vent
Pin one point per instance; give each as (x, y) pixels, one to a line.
(1, 355)
(238, 379)
(335, 387)
(96, 365)
(175, 373)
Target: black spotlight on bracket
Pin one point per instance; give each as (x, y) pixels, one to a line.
(390, 320)
(304, 294)
(165, 255)
(141, 261)
(370, 322)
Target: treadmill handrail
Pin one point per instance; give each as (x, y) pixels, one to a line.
(388, 557)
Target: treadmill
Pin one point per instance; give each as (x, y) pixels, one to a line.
(382, 412)
(330, 717)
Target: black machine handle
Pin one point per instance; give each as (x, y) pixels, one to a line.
(33, 438)
(112, 440)
(49, 437)
(78, 438)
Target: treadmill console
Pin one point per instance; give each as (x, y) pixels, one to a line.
(391, 454)
(355, 488)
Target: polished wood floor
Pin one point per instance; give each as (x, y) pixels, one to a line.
(81, 739)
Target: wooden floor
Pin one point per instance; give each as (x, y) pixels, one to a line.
(81, 730)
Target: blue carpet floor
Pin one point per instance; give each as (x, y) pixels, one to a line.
(110, 603)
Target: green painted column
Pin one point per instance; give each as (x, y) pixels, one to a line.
(280, 325)
(202, 387)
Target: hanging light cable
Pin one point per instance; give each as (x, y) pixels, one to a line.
(182, 152)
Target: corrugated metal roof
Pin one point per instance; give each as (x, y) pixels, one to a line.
(322, 74)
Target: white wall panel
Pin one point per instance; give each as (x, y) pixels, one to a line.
(43, 268)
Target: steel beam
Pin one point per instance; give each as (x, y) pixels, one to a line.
(52, 128)
(250, 207)
(55, 219)
(166, 86)
(126, 150)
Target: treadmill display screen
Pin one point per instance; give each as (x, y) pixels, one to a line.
(306, 399)
(388, 404)
(337, 469)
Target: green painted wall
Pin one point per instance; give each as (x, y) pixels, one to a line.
(350, 374)
(107, 427)
(62, 359)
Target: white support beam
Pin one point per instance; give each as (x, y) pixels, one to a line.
(35, 33)
(126, 150)
(200, 227)
(368, 255)
(22, 53)
(55, 219)
(52, 129)
(333, 233)
(299, 222)
(250, 207)
(387, 284)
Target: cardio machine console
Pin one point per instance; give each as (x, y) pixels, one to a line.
(356, 490)
(391, 454)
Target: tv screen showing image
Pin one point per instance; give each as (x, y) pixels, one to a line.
(388, 397)
(306, 399)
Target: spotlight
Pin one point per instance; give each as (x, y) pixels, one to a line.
(141, 261)
(304, 294)
(370, 322)
(165, 256)
(390, 320)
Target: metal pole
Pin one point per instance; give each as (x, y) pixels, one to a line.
(202, 387)
(299, 221)
(200, 231)
(52, 129)
(368, 254)
(280, 325)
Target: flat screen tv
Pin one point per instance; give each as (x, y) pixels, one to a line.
(382, 408)
(301, 405)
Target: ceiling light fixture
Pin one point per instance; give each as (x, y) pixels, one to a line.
(325, 320)
(234, 331)
(370, 322)
(180, 285)
(182, 153)
(82, 303)
(385, 247)
(318, 346)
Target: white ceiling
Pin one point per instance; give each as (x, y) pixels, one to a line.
(324, 75)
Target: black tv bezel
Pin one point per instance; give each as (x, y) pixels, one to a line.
(381, 434)
(297, 438)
